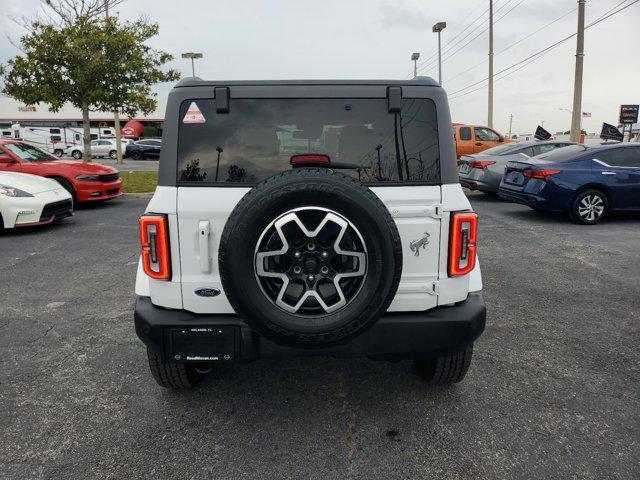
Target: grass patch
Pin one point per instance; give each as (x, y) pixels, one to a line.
(139, 182)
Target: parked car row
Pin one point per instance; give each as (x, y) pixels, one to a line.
(483, 171)
(37, 187)
(586, 183)
(139, 150)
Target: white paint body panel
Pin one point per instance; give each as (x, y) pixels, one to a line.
(196, 205)
(414, 209)
(419, 212)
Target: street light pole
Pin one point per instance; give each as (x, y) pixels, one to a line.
(437, 28)
(116, 113)
(415, 56)
(576, 116)
(511, 123)
(490, 100)
(192, 56)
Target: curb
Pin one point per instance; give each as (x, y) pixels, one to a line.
(139, 194)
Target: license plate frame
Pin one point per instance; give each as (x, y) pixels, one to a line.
(204, 344)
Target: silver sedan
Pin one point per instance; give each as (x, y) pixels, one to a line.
(483, 171)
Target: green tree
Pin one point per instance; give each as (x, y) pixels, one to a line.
(91, 62)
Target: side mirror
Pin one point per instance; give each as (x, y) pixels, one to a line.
(501, 139)
(5, 159)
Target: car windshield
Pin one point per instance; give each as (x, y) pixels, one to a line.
(501, 149)
(28, 153)
(563, 154)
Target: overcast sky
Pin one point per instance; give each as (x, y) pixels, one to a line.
(373, 39)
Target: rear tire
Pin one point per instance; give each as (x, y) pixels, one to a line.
(445, 370)
(112, 154)
(589, 207)
(58, 153)
(135, 155)
(77, 154)
(177, 376)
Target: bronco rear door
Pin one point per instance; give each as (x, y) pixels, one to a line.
(231, 138)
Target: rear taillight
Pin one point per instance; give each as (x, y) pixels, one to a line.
(154, 240)
(462, 243)
(480, 164)
(541, 174)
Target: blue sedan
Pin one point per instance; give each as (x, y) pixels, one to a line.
(586, 184)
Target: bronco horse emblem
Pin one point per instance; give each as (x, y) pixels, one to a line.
(416, 245)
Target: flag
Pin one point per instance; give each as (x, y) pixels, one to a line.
(609, 132)
(586, 114)
(542, 134)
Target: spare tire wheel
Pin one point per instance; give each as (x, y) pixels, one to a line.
(310, 258)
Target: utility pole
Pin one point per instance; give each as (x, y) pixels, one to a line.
(510, 124)
(116, 114)
(437, 28)
(490, 106)
(576, 116)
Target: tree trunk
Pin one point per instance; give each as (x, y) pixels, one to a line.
(86, 134)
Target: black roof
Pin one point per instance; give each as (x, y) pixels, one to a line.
(198, 82)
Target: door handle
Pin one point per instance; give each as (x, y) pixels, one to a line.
(479, 144)
(607, 172)
(204, 232)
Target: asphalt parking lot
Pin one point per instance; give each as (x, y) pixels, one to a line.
(553, 392)
(127, 165)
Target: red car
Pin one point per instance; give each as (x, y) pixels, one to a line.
(86, 182)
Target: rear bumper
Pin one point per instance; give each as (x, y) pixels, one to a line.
(479, 181)
(534, 201)
(396, 336)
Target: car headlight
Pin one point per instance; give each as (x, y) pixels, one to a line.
(13, 192)
(89, 178)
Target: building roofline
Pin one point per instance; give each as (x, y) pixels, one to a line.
(79, 119)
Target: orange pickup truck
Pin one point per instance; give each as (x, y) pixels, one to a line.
(475, 138)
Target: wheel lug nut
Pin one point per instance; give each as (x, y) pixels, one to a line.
(311, 246)
(297, 269)
(296, 254)
(324, 270)
(325, 254)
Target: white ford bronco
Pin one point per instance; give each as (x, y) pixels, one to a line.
(308, 218)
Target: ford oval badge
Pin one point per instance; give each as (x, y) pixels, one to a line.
(207, 292)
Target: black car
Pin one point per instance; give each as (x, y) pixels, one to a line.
(143, 149)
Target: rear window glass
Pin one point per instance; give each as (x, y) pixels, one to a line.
(465, 133)
(563, 154)
(501, 149)
(257, 138)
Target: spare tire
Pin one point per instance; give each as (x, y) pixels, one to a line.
(310, 258)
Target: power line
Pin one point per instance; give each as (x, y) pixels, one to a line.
(451, 43)
(532, 58)
(426, 60)
(515, 43)
(432, 64)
